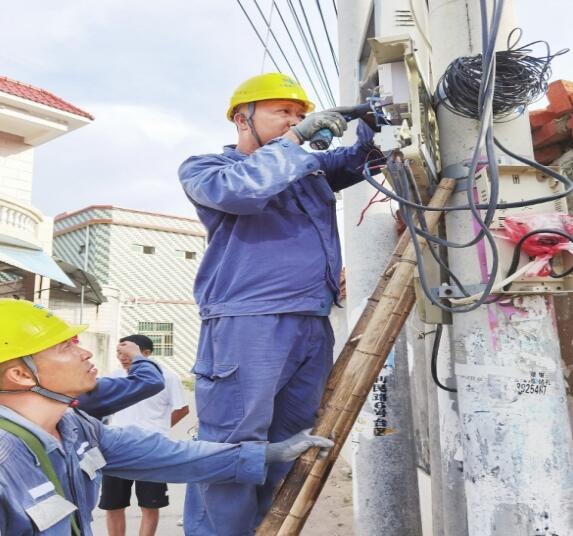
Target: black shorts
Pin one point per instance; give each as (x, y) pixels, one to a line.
(116, 493)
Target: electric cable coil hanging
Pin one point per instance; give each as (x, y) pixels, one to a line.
(520, 80)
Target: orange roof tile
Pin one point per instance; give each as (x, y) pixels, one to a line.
(41, 96)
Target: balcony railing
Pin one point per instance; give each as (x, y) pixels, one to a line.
(19, 221)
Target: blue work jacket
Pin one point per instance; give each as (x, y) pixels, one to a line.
(271, 222)
(144, 379)
(30, 506)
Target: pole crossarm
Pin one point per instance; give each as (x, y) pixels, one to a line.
(351, 379)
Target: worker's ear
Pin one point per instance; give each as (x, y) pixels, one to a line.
(240, 117)
(17, 376)
(240, 120)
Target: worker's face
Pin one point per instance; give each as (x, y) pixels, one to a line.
(273, 118)
(66, 368)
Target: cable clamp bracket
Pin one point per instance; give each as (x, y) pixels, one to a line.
(453, 291)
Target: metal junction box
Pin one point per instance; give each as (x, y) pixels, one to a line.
(521, 183)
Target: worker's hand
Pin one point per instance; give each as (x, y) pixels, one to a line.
(312, 123)
(126, 352)
(290, 449)
(368, 117)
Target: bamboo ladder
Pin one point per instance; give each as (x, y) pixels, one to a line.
(351, 379)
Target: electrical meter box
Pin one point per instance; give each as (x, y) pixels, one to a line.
(518, 184)
(414, 128)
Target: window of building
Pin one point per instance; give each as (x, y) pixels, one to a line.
(161, 333)
(147, 250)
(188, 255)
(82, 249)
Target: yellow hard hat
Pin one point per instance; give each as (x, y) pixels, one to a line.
(268, 86)
(27, 329)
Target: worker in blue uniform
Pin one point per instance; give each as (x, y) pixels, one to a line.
(144, 379)
(52, 457)
(266, 283)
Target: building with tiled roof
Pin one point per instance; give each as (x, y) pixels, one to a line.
(29, 116)
(36, 115)
(40, 96)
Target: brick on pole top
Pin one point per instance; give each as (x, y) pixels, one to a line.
(41, 96)
(560, 96)
(552, 127)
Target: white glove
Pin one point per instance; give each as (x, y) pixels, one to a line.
(290, 449)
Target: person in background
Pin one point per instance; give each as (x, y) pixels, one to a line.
(155, 414)
(144, 378)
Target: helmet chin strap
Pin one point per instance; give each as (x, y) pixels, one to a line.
(58, 397)
(251, 112)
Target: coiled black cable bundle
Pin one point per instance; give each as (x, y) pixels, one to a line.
(520, 79)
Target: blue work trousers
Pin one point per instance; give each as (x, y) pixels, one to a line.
(259, 378)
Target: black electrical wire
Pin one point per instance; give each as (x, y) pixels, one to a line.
(268, 25)
(519, 244)
(486, 91)
(520, 80)
(334, 6)
(334, 59)
(259, 36)
(413, 187)
(315, 46)
(303, 63)
(434, 361)
(424, 279)
(486, 82)
(321, 75)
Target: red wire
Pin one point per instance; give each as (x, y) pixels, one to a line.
(371, 202)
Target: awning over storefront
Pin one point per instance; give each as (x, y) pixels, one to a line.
(31, 260)
(81, 278)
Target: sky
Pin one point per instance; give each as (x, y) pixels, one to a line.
(157, 76)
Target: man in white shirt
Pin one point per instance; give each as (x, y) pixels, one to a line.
(156, 414)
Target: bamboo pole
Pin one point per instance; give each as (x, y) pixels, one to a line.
(352, 341)
(351, 383)
(354, 337)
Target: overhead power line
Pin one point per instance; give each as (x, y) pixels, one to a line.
(268, 23)
(320, 74)
(334, 59)
(267, 39)
(302, 62)
(311, 50)
(259, 36)
(316, 50)
(334, 5)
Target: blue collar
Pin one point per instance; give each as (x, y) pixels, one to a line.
(67, 428)
(232, 152)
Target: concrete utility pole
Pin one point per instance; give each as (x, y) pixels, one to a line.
(448, 497)
(385, 482)
(517, 447)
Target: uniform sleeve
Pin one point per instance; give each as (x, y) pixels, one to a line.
(144, 379)
(135, 454)
(343, 166)
(246, 186)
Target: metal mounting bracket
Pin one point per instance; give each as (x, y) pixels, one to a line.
(451, 291)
